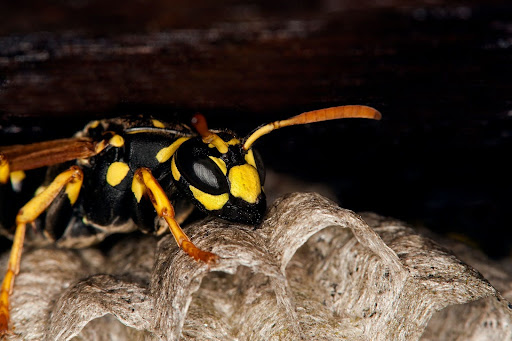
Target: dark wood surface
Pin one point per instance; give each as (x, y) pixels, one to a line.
(439, 71)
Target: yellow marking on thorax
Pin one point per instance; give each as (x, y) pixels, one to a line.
(249, 158)
(93, 124)
(158, 124)
(174, 170)
(116, 141)
(165, 153)
(16, 178)
(220, 163)
(210, 202)
(138, 188)
(99, 146)
(116, 173)
(245, 183)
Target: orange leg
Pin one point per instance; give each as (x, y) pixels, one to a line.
(143, 181)
(71, 181)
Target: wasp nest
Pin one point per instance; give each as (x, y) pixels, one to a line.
(312, 271)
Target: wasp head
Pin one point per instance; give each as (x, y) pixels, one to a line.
(221, 177)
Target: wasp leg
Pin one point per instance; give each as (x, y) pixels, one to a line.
(69, 180)
(143, 181)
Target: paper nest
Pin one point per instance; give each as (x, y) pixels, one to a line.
(312, 270)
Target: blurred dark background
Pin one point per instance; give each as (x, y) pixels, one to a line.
(439, 71)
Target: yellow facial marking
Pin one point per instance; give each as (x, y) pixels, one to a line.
(249, 158)
(221, 164)
(116, 141)
(165, 153)
(16, 178)
(245, 183)
(210, 202)
(175, 172)
(158, 124)
(116, 173)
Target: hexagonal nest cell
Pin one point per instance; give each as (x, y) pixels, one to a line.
(311, 271)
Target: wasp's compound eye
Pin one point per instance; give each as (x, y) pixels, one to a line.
(202, 172)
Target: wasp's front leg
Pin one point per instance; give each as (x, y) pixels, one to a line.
(144, 182)
(70, 181)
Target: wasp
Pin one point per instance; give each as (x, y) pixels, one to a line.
(123, 174)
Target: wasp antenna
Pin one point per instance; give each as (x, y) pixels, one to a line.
(200, 125)
(333, 113)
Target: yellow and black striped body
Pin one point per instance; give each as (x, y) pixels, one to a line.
(227, 185)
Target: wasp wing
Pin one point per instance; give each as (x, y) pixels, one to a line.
(41, 154)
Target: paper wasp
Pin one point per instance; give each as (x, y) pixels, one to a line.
(122, 174)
